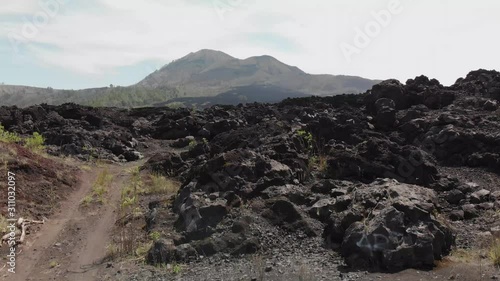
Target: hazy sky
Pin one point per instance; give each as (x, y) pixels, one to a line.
(91, 43)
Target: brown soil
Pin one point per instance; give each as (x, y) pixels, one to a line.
(71, 245)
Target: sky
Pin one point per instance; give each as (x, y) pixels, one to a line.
(74, 44)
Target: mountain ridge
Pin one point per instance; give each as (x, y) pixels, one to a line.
(205, 73)
(209, 72)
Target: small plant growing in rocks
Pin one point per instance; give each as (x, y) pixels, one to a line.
(307, 138)
(155, 235)
(35, 142)
(8, 137)
(176, 269)
(192, 144)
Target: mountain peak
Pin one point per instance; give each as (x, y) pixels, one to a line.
(210, 72)
(208, 54)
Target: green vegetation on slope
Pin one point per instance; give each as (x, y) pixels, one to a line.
(111, 96)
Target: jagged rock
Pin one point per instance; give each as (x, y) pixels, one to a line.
(390, 89)
(333, 187)
(167, 163)
(490, 105)
(322, 209)
(283, 213)
(183, 142)
(399, 232)
(470, 211)
(495, 195)
(302, 166)
(457, 215)
(454, 196)
(480, 196)
(162, 252)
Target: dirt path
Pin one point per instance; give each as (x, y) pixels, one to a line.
(72, 244)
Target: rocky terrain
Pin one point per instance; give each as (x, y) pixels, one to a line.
(391, 179)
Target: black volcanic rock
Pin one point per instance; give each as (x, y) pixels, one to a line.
(379, 174)
(399, 231)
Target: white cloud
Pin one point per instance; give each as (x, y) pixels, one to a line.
(443, 39)
(18, 7)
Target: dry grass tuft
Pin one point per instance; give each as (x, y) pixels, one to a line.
(495, 252)
(160, 184)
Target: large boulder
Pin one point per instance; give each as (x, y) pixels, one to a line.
(390, 89)
(167, 163)
(390, 226)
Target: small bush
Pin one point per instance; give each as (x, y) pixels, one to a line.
(155, 235)
(87, 200)
(176, 269)
(8, 137)
(35, 142)
(128, 201)
(307, 138)
(112, 251)
(192, 144)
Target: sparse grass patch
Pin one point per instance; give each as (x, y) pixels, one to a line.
(304, 273)
(161, 185)
(112, 251)
(137, 212)
(322, 163)
(128, 201)
(143, 249)
(99, 188)
(85, 168)
(3, 224)
(87, 200)
(465, 255)
(130, 192)
(259, 266)
(495, 252)
(126, 246)
(104, 178)
(99, 191)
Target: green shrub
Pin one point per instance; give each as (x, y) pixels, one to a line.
(155, 235)
(192, 144)
(35, 142)
(176, 269)
(307, 138)
(8, 137)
